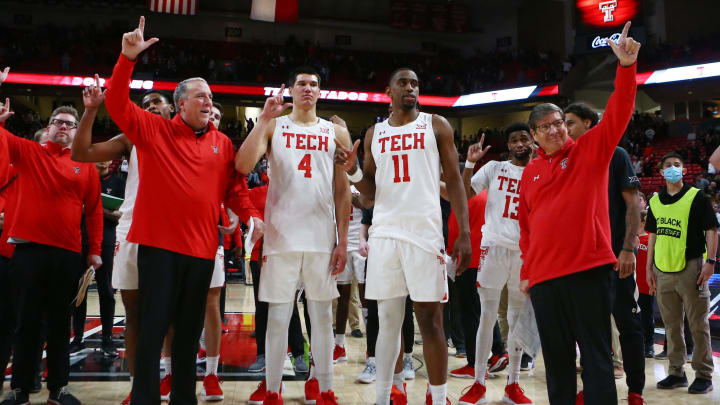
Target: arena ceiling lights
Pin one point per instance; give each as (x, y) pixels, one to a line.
(496, 96)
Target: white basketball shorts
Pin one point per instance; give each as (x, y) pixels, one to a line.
(283, 274)
(355, 267)
(499, 266)
(218, 276)
(125, 270)
(396, 268)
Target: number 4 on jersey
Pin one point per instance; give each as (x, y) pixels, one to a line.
(305, 165)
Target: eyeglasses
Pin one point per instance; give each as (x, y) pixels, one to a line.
(544, 128)
(59, 123)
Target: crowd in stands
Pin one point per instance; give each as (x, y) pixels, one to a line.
(695, 50)
(45, 49)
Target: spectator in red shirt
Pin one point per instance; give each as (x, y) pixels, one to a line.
(186, 170)
(53, 192)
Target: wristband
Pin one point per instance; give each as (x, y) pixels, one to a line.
(469, 164)
(711, 260)
(355, 177)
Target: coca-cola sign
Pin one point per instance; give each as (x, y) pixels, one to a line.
(599, 42)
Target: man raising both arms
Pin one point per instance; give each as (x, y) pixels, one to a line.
(306, 191)
(403, 158)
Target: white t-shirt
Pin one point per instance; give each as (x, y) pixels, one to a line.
(355, 225)
(502, 181)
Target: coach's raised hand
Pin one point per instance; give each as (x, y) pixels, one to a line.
(134, 42)
(4, 74)
(627, 48)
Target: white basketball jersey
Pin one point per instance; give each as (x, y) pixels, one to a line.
(300, 209)
(355, 225)
(502, 181)
(131, 188)
(407, 181)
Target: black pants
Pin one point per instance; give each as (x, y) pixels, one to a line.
(103, 279)
(44, 280)
(295, 337)
(372, 327)
(172, 290)
(452, 318)
(7, 316)
(629, 325)
(569, 309)
(648, 319)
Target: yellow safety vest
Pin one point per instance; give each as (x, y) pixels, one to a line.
(671, 230)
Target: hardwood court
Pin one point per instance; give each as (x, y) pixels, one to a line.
(349, 392)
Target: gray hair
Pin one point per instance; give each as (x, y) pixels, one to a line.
(181, 90)
(540, 111)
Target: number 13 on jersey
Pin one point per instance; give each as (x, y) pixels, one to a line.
(511, 206)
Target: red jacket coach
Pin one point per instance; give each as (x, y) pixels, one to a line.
(565, 238)
(186, 171)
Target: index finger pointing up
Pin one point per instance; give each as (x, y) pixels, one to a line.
(141, 25)
(625, 31)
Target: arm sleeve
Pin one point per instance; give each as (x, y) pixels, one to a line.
(238, 200)
(600, 141)
(481, 179)
(131, 119)
(17, 147)
(93, 213)
(624, 170)
(650, 222)
(702, 210)
(523, 212)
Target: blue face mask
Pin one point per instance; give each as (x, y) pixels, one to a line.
(673, 174)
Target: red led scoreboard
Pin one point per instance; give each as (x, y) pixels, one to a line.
(599, 20)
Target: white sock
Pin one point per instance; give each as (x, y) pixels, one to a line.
(365, 313)
(398, 380)
(202, 340)
(489, 303)
(311, 374)
(340, 339)
(132, 378)
(391, 313)
(407, 356)
(439, 394)
(276, 344)
(167, 362)
(370, 360)
(322, 340)
(212, 365)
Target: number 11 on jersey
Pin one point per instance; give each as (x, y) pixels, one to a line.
(396, 162)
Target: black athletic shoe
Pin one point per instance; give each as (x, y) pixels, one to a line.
(108, 347)
(662, 355)
(650, 352)
(526, 363)
(62, 397)
(76, 346)
(16, 397)
(356, 333)
(673, 381)
(700, 386)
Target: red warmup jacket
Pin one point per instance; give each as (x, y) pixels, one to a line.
(565, 194)
(640, 272)
(183, 177)
(4, 167)
(9, 200)
(476, 213)
(258, 196)
(52, 192)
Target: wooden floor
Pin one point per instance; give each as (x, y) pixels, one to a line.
(351, 392)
